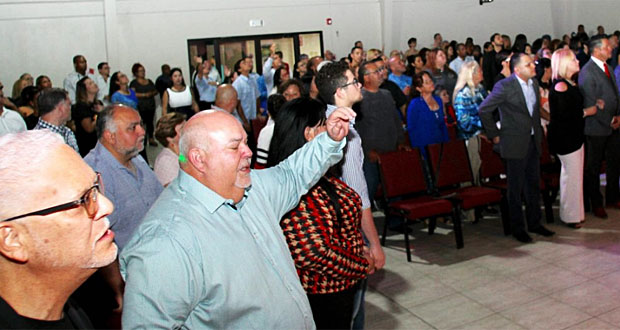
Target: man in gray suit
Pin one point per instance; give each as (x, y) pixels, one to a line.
(519, 138)
(596, 81)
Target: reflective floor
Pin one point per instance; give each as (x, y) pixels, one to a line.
(569, 281)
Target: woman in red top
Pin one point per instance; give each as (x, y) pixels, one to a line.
(323, 231)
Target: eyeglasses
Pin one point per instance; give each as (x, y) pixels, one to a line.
(379, 70)
(354, 82)
(89, 200)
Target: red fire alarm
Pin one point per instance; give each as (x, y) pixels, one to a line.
(328, 21)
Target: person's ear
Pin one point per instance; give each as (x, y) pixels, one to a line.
(12, 245)
(198, 159)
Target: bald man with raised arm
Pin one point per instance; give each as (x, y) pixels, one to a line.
(210, 254)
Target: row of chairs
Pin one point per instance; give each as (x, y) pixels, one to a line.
(411, 195)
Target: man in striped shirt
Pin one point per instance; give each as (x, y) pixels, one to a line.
(338, 88)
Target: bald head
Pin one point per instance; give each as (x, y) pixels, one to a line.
(226, 97)
(214, 146)
(199, 130)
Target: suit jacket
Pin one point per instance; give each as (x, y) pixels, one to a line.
(594, 84)
(516, 123)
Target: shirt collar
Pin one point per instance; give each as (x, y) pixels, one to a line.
(522, 82)
(331, 108)
(207, 197)
(599, 63)
(106, 156)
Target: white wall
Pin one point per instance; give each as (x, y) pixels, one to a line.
(41, 36)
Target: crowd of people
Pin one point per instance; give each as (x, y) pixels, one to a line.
(257, 212)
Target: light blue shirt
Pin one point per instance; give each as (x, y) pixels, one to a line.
(206, 90)
(402, 81)
(197, 262)
(132, 194)
(247, 93)
(528, 93)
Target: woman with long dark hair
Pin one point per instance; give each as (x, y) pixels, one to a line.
(145, 91)
(179, 98)
(84, 114)
(120, 91)
(323, 231)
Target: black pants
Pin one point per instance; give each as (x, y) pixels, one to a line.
(147, 115)
(204, 105)
(597, 149)
(523, 176)
(333, 310)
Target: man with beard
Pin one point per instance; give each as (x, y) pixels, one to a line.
(211, 254)
(130, 183)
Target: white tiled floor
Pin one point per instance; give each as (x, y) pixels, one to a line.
(569, 281)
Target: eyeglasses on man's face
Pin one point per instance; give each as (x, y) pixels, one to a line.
(353, 82)
(89, 200)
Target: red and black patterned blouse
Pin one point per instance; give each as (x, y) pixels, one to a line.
(325, 241)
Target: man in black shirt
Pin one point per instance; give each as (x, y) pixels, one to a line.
(54, 232)
(490, 68)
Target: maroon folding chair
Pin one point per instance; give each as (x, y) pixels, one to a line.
(491, 171)
(450, 167)
(404, 194)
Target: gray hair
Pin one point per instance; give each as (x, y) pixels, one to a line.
(105, 119)
(23, 156)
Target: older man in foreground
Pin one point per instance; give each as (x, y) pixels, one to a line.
(210, 253)
(54, 231)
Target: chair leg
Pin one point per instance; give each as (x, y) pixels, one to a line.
(385, 227)
(503, 209)
(458, 230)
(432, 224)
(406, 239)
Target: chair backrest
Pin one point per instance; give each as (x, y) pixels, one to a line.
(401, 173)
(491, 163)
(454, 168)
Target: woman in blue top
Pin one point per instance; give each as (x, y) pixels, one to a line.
(425, 115)
(120, 91)
(468, 94)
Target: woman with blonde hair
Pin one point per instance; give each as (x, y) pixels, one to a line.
(468, 94)
(565, 133)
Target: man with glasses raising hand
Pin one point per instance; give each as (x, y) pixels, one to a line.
(338, 88)
(54, 231)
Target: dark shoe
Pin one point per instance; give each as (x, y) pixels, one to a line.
(522, 237)
(574, 225)
(541, 230)
(599, 212)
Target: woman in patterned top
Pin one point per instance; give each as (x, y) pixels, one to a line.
(323, 231)
(468, 94)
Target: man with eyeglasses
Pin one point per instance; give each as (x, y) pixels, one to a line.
(339, 88)
(10, 121)
(54, 231)
(380, 129)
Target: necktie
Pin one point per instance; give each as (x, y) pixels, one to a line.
(607, 71)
